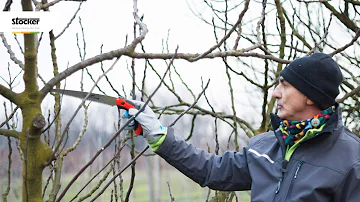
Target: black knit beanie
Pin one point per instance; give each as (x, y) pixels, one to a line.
(318, 77)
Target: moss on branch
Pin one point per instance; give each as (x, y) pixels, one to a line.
(10, 133)
(9, 94)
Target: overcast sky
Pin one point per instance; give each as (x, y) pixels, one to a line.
(108, 22)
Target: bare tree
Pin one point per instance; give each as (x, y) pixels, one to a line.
(253, 40)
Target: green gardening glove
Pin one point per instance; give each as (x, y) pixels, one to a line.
(153, 131)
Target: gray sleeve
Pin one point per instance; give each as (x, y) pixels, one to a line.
(228, 172)
(349, 190)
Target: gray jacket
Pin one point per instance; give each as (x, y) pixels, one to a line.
(324, 168)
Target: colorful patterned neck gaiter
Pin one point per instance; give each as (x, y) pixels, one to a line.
(293, 131)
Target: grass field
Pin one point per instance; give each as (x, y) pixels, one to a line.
(182, 189)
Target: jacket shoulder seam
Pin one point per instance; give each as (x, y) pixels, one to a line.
(264, 135)
(349, 133)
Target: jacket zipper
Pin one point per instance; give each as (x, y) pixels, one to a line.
(282, 145)
(293, 179)
(279, 185)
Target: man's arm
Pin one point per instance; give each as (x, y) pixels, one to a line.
(228, 172)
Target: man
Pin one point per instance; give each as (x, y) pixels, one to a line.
(309, 156)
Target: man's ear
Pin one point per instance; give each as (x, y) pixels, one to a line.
(309, 102)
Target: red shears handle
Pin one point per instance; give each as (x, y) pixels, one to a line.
(125, 104)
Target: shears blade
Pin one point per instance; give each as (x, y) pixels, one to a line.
(121, 103)
(104, 99)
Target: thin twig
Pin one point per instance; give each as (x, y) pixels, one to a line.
(140, 110)
(7, 190)
(82, 132)
(191, 106)
(357, 35)
(106, 77)
(142, 25)
(79, 107)
(133, 160)
(105, 146)
(260, 22)
(18, 43)
(97, 185)
(91, 161)
(351, 93)
(69, 23)
(171, 196)
(217, 147)
(133, 172)
(10, 117)
(322, 39)
(246, 6)
(132, 150)
(48, 180)
(11, 53)
(232, 104)
(121, 171)
(110, 161)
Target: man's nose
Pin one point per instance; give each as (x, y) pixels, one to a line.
(276, 93)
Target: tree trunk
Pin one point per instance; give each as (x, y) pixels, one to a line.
(36, 154)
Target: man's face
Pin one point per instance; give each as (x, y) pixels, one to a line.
(291, 103)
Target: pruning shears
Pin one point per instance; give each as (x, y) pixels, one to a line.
(120, 102)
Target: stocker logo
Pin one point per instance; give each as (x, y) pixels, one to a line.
(25, 21)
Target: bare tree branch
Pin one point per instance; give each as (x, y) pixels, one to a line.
(10, 133)
(77, 141)
(354, 2)
(77, 110)
(128, 52)
(98, 184)
(7, 5)
(254, 51)
(9, 94)
(46, 6)
(132, 118)
(69, 23)
(357, 35)
(110, 161)
(295, 31)
(171, 196)
(10, 117)
(322, 39)
(342, 17)
(142, 25)
(352, 93)
(11, 53)
(246, 6)
(7, 190)
(6, 193)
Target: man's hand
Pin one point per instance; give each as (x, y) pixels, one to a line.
(152, 128)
